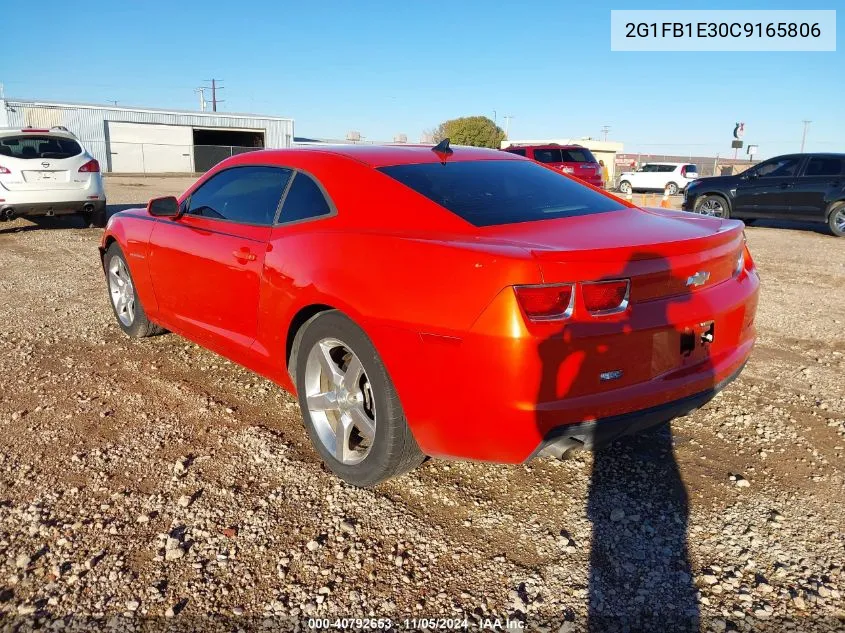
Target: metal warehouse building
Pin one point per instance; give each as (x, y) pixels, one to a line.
(147, 140)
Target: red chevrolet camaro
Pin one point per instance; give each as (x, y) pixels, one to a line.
(451, 302)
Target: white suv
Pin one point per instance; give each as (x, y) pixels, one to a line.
(48, 172)
(659, 176)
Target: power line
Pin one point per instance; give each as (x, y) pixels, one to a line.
(214, 88)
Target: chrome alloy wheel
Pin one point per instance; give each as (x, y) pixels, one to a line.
(712, 207)
(839, 219)
(340, 401)
(122, 291)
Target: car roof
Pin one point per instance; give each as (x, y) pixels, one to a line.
(544, 146)
(17, 131)
(657, 162)
(385, 155)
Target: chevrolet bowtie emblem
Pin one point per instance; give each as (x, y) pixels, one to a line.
(698, 279)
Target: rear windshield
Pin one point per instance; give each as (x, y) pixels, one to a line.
(489, 192)
(577, 156)
(34, 146)
(580, 155)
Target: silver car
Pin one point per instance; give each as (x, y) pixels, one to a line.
(48, 172)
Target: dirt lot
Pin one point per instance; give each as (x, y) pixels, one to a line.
(151, 484)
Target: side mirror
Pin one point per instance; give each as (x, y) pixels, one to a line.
(166, 207)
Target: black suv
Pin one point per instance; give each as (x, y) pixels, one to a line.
(809, 187)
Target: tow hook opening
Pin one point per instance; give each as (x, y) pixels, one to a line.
(687, 342)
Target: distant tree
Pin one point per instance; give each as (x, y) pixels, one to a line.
(470, 130)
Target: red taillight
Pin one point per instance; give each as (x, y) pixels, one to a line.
(606, 297)
(546, 303)
(92, 166)
(3, 170)
(32, 130)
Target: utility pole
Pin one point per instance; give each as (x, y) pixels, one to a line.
(804, 135)
(214, 88)
(201, 92)
(604, 130)
(494, 116)
(508, 118)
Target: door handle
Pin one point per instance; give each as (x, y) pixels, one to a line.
(244, 255)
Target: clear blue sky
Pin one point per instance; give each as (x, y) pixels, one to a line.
(392, 67)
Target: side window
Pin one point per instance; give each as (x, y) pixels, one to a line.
(825, 166)
(248, 195)
(778, 168)
(649, 168)
(547, 155)
(304, 200)
(668, 169)
(519, 152)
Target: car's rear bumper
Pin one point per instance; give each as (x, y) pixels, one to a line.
(34, 202)
(497, 395)
(66, 207)
(593, 434)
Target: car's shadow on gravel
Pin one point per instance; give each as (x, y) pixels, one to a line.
(640, 577)
(59, 222)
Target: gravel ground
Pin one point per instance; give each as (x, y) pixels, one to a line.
(153, 485)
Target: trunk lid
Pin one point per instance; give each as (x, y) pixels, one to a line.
(664, 253)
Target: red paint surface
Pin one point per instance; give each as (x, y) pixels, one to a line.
(435, 295)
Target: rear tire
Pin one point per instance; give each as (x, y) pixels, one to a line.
(328, 346)
(836, 219)
(673, 188)
(123, 296)
(713, 205)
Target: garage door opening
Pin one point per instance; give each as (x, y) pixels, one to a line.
(213, 145)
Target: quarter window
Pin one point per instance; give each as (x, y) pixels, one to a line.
(304, 200)
(825, 166)
(247, 195)
(518, 152)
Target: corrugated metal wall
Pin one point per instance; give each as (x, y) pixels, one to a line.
(88, 123)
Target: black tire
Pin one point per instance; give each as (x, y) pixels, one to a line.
(95, 218)
(140, 325)
(749, 221)
(715, 198)
(394, 450)
(836, 219)
(673, 188)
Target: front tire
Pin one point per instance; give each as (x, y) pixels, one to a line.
(625, 187)
(836, 219)
(124, 296)
(713, 205)
(349, 405)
